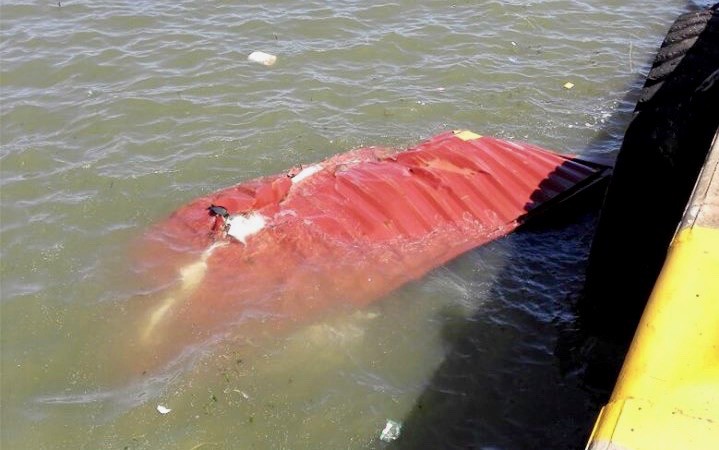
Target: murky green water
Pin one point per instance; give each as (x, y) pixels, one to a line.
(116, 113)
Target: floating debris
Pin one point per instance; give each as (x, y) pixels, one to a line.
(262, 58)
(242, 393)
(163, 409)
(568, 85)
(391, 431)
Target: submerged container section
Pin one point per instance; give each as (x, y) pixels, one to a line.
(348, 230)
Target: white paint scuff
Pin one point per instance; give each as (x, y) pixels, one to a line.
(306, 173)
(191, 275)
(242, 226)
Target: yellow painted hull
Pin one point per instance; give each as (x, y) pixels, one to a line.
(667, 394)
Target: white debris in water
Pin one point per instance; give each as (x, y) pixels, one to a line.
(163, 409)
(568, 85)
(262, 58)
(242, 393)
(306, 173)
(391, 431)
(242, 226)
(365, 315)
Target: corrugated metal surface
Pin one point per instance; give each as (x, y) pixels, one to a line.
(353, 227)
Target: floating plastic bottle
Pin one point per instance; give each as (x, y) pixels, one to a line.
(391, 431)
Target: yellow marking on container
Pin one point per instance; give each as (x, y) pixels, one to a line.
(466, 135)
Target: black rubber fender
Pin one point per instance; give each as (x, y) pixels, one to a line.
(663, 150)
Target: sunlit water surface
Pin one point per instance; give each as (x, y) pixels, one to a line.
(116, 113)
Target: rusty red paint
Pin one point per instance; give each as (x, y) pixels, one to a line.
(369, 221)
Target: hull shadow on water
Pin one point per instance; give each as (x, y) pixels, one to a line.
(500, 385)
